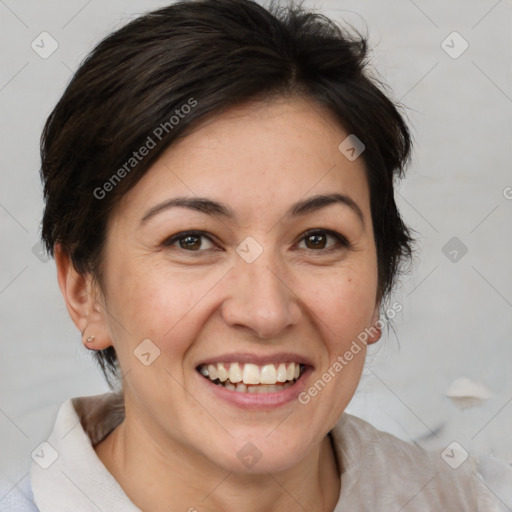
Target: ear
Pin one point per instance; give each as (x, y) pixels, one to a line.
(375, 332)
(82, 301)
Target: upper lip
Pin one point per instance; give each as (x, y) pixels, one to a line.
(258, 359)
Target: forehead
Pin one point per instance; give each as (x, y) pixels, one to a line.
(269, 154)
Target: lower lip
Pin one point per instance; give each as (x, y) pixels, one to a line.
(258, 400)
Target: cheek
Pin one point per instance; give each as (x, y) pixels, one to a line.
(151, 302)
(344, 303)
(344, 306)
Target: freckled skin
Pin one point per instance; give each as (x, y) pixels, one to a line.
(259, 159)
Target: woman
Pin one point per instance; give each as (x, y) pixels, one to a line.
(219, 202)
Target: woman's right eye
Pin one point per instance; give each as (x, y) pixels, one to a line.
(189, 241)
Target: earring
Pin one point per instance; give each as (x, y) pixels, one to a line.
(90, 339)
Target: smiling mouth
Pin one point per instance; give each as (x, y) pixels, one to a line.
(252, 378)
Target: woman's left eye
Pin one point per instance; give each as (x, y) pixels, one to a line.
(317, 240)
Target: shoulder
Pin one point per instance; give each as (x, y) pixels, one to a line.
(397, 473)
(17, 497)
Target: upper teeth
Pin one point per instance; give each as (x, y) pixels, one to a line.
(251, 373)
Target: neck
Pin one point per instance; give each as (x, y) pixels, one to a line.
(154, 478)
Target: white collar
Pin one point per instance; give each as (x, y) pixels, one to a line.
(379, 471)
(77, 479)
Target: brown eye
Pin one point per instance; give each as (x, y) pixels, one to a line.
(318, 240)
(190, 241)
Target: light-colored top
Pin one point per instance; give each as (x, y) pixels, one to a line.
(379, 471)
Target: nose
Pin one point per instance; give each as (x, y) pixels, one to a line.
(259, 298)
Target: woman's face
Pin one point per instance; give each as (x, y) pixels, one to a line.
(268, 278)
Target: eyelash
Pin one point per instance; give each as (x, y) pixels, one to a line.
(342, 242)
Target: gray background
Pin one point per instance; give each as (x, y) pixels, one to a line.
(456, 318)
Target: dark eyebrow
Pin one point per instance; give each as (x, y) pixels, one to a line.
(216, 209)
(315, 203)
